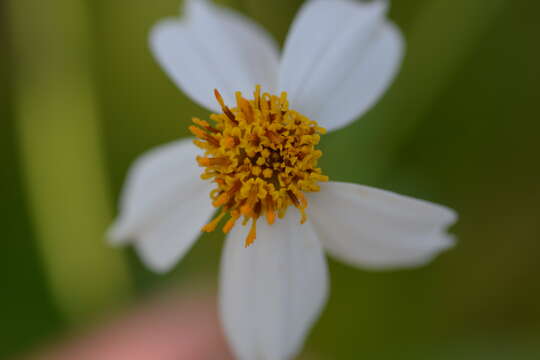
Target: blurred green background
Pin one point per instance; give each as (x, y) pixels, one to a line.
(81, 98)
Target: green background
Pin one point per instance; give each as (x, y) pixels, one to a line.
(460, 126)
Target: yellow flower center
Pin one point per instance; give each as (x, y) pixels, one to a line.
(262, 157)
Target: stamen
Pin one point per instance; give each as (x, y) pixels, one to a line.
(201, 134)
(198, 132)
(205, 125)
(275, 138)
(252, 234)
(262, 158)
(303, 200)
(247, 209)
(226, 196)
(211, 226)
(224, 107)
(270, 214)
(293, 198)
(232, 221)
(229, 142)
(219, 161)
(257, 97)
(267, 173)
(244, 106)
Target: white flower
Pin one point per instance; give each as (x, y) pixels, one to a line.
(340, 56)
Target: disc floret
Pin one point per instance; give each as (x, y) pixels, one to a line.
(262, 157)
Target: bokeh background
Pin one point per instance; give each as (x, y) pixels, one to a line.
(81, 98)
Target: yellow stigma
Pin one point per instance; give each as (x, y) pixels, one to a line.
(262, 157)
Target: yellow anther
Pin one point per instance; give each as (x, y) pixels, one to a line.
(229, 142)
(261, 161)
(262, 157)
(203, 135)
(244, 106)
(204, 124)
(270, 214)
(219, 161)
(198, 132)
(275, 138)
(211, 226)
(267, 173)
(293, 198)
(319, 177)
(252, 234)
(221, 200)
(232, 221)
(219, 98)
(224, 107)
(224, 197)
(203, 161)
(303, 200)
(246, 210)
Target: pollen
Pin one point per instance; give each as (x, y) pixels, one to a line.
(262, 157)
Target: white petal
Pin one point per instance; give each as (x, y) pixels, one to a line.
(163, 205)
(272, 292)
(377, 229)
(339, 58)
(161, 246)
(214, 48)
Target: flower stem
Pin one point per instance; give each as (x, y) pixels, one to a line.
(60, 148)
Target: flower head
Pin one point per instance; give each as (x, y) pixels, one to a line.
(262, 157)
(259, 162)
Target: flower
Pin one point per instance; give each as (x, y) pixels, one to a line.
(261, 155)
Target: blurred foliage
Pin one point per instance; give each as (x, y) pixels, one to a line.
(60, 151)
(460, 127)
(26, 309)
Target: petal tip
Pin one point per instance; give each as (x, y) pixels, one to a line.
(450, 216)
(160, 28)
(158, 265)
(116, 234)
